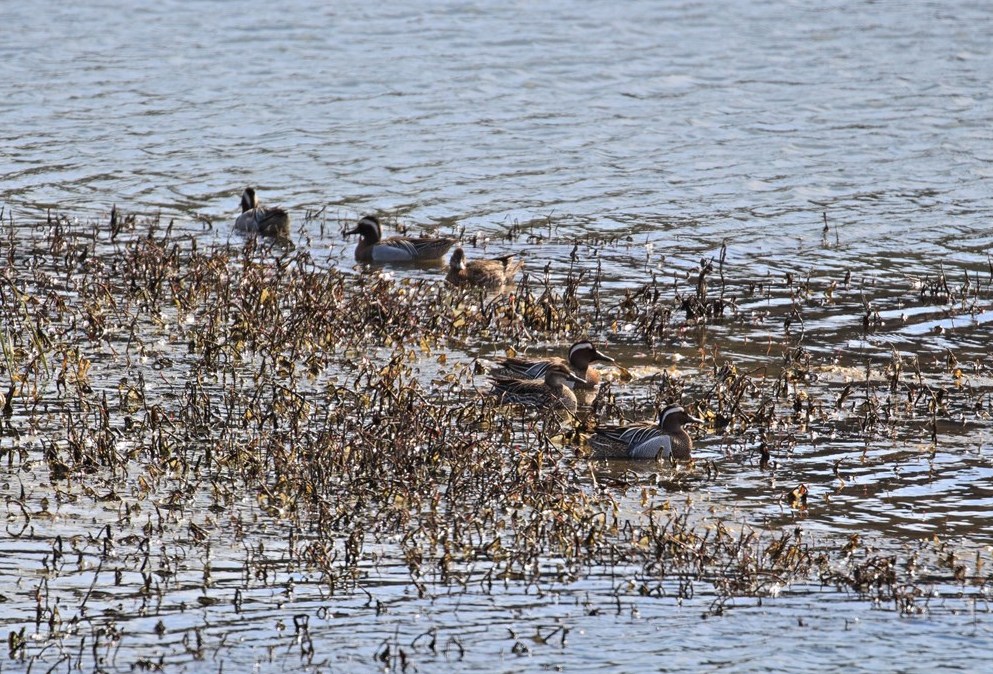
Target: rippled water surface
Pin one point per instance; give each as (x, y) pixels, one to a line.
(842, 152)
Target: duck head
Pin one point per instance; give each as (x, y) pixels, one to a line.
(672, 418)
(561, 373)
(368, 228)
(457, 261)
(248, 199)
(583, 353)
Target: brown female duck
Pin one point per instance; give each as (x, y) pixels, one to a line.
(548, 393)
(581, 355)
(490, 274)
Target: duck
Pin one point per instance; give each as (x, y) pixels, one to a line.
(548, 393)
(258, 219)
(372, 247)
(664, 440)
(490, 274)
(580, 355)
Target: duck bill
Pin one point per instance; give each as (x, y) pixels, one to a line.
(602, 357)
(348, 232)
(575, 378)
(690, 419)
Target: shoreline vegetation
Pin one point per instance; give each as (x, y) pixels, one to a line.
(187, 425)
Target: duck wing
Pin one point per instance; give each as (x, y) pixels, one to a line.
(399, 248)
(268, 221)
(522, 368)
(644, 441)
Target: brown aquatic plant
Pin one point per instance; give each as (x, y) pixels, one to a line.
(167, 401)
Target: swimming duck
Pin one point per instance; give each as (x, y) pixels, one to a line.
(259, 219)
(373, 248)
(664, 440)
(548, 393)
(581, 354)
(490, 274)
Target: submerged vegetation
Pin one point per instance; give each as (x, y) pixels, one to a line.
(190, 428)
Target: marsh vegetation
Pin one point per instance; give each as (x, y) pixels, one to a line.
(227, 454)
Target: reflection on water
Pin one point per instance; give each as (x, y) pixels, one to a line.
(846, 172)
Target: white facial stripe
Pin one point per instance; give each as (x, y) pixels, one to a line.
(671, 409)
(581, 346)
(367, 223)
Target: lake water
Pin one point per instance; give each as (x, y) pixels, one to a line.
(673, 127)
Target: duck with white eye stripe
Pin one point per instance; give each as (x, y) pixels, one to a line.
(258, 219)
(665, 440)
(372, 247)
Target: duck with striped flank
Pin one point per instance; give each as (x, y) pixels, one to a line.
(667, 439)
(372, 247)
(581, 355)
(490, 274)
(258, 219)
(548, 393)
